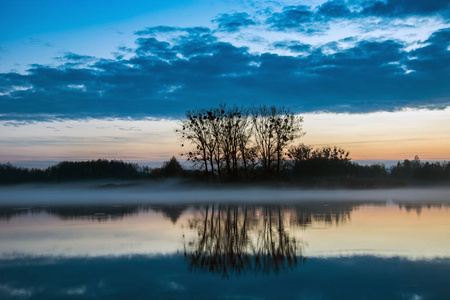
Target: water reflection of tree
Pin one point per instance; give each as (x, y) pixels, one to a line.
(418, 207)
(94, 213)
(303, 215)
(233, 239)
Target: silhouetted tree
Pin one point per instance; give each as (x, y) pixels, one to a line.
(320, 162)
(300, 152)
(417, 170)
(71, 170)
(274, 129)
(221, 137)
(195, 130)
(171, 168)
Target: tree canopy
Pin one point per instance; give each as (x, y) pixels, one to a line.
(230, 141)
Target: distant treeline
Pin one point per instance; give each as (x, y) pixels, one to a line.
(333, 162)
(305, 166)
(71, 170)
(259, 143)
(237, 144)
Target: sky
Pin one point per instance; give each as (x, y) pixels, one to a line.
(111, 79)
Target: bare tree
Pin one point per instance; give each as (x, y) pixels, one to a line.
(226, 138)
(195, 131)
(274, 129)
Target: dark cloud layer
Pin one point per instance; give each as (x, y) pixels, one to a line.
(304, 18)
(291, 17)
(193, 68)
(233, 22)
(334, 9)
(406, 7)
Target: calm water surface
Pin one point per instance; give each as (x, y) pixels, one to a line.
(306, 249)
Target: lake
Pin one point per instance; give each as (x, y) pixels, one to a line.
(141, 243)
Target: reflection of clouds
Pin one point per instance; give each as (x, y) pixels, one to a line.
(76, 290)
(172, 285)
(166, 277)
(10, 291)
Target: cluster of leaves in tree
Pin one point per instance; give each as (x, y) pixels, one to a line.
(233, 141)
(71, 170)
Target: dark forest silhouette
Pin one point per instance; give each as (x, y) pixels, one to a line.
(317, 170)
(236, 144)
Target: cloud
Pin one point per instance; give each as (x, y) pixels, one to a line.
(18, 123)
(294, 46)
(152, 31)
(395, 8)
(153, 46)
(234, 22)
(73, 57)
(164, 75)
(291, 17)
(315, 20)
(334, 9)
(156, 29)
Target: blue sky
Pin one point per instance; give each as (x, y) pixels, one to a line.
(131, 60)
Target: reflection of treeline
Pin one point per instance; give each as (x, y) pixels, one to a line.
(100, 213)
(300, 215)
(418, 207)
(239, 239)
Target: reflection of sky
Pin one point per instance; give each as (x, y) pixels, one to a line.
(42, 234)
(167, 277)
(383, 231)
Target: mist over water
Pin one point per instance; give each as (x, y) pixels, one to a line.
(171, 192)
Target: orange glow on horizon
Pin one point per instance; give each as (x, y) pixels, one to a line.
(375, 136)
(383, 135)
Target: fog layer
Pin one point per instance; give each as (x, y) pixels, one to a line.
(170, 193)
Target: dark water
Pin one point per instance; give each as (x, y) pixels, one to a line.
(321, 249)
